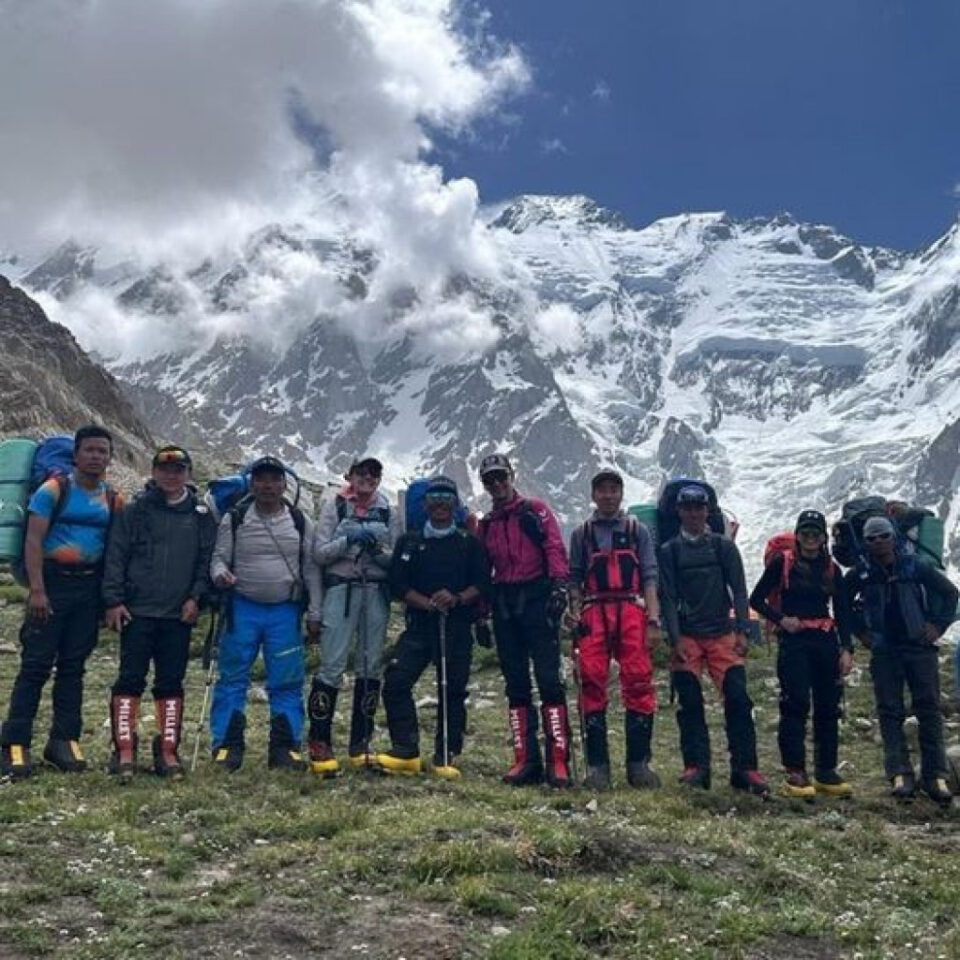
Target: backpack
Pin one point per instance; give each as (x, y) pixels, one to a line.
(668, 522)
(646, 513)
(922, 531)
(784, 545)
(225, 493)
(415, 511)
(25, 465)
(847, 532)
(376, 515)
(919, 531)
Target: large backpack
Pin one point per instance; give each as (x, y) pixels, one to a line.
(919, 530)
(668, 522)
(225, 493)
(24, 466)
(646, 513)
(784, 545)
(847, 532)
(415, 511)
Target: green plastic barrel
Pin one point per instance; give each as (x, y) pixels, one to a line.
(646, 513)
(16, 460)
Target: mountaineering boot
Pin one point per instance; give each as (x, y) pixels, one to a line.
(228, 755)
(282, 752)
(938, 791)
(796, 784)
(15, 761)
(446, 771)
(527, 767)
(124, 716)
(556, 735)
(903, 787)
(321, 705)
(639, 734)
(65, 755)
(366, 695)
(697, 778)
(404, 761)
(597, 751)
(166, 760)
(831, 783)
(750, 781)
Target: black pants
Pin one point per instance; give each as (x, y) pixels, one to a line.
(522, 635)
(808, 665)
(915, 664)
(167, 643)
(419, 646)
(65, 640)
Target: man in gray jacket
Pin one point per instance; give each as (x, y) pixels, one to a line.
(264, 557)
(155, 577)
(356, 534)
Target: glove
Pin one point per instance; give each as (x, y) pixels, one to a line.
(362, 535)
(556, 603)
(483, 634)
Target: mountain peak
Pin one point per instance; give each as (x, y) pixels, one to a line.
(531, 210)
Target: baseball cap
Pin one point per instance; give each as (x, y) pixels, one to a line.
(264, 464)
(692, 494)
(608, 473)
(494, 462)
(811, 518)
(367, 463)
(172, 454)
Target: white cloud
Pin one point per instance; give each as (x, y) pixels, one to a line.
(559, 326)
(601, 91)
(553, 145)
(165, 128)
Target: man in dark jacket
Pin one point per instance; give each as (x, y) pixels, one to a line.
(155, 578)
(907, 605)
(699, 572)
(441, 575)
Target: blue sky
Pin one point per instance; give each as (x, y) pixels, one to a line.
(841, 111)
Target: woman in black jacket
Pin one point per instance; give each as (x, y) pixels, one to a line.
(801, 592)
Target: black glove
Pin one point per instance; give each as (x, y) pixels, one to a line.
(483, 634)
(556, 603)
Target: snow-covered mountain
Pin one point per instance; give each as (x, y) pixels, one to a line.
(788, 364)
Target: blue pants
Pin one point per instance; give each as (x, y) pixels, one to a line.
(275, 626)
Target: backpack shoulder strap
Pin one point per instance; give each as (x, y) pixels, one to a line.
(341, 504)
(63, 492)
(786, 559)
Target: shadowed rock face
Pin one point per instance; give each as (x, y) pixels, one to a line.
(48, 384)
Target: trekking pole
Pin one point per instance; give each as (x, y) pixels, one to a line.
(210, 650)
(364, 660)
(578, 682)
(444, 700)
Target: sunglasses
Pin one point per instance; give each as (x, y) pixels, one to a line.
(809, 532)
(368, 473)
(878, 537)
(439, 498)
(496, 476)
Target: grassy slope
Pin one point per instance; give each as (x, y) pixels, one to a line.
(260, 864)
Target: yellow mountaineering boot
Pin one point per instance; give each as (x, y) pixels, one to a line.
(797, 785)
(400, 760)
(830, 782)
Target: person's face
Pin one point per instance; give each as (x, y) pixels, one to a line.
(92, 456)
(811, 540)
(499, 484)
(608, 495)
(439, 508)
(268, 487)
(171, 478)
(364, 481)
(693, 517)
(880, 546)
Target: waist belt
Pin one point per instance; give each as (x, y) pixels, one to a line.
(71, 569)
(612, 598)
(818, 623)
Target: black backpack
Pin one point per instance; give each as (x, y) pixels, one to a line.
(668, 522)
(847, 533)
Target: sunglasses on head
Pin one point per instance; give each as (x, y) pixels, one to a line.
(176, 457)
(495, 476)
(878, 537)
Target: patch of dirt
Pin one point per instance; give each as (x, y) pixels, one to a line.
(796, 948)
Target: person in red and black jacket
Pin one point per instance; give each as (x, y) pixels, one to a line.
(529, 596)
(812, 619)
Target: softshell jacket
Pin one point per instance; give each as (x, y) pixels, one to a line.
(515, 556)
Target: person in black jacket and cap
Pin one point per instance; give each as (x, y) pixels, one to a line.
(440, 573)
(155, 577)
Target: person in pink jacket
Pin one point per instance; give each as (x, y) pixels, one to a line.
(529, 596)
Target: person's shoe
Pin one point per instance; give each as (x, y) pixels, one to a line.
(938, 791)
(124, 723)
(15, 761)
(322, 761)
(556, 735)
(903, 787)
(228, 756)
(641, 777)
(404, 763)
(527, 767)
(697, 778)
(598, 777)
(796, 784)
(446, 771)
(364, 761)
(832, 784)
(65, 755)
(283, 751)
(750, 781)
(166, 744)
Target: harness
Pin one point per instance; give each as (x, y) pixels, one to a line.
(823, 624)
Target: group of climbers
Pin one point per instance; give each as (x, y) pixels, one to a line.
(151, 564)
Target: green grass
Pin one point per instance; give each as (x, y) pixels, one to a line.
(262, 864)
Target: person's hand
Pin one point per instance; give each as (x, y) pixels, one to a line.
(483, 634)
(117, 617)
(791, 624)
(225, 580)
(444, 601)
(189, 611)
(571, 619)
(361, 535)
(931, 633)
(38, 606)
(313, 631)
(556, 603)
(741, 644)
(654, 631)
(845, 662)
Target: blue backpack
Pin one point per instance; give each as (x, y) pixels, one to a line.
(226, 493)
(415, 511)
